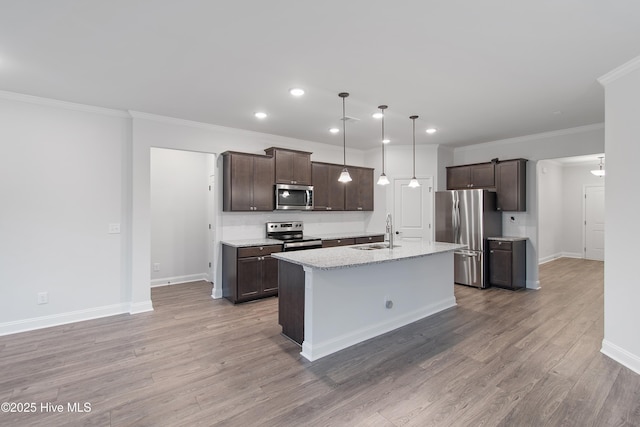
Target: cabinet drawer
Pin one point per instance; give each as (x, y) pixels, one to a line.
(500, 244)
(258, 250)
(369, 239)
(338, 242)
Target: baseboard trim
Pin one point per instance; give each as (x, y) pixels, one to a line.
(216, 292)
(621, 356)
(549, 258)
(341, 342)
(42, 322)
(140, 307)
(572, 255)
(532, 284)
(554, 257)
(176, 280)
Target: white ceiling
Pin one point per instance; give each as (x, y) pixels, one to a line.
(477, 70)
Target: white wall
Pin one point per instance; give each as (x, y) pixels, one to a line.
(179, 216)
(62, 182)
(622, 199)
(550, 210)
(549, 145)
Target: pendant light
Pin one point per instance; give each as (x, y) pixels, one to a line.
(414, 181)
(344, 175)
(599, 172)
(383, 180)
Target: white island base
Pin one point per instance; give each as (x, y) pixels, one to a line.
(350, 304)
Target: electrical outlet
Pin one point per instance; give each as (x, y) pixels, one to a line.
(114, 228)
(43, 297)
(156, 266)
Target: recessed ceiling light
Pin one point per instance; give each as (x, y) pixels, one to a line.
(377, 115)
(260, 115)
(431, 131)
(334, 130)
(296, 91)
(386, 141)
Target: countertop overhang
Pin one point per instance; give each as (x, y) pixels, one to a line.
(350, 256)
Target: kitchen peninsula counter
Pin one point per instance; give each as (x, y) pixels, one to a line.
(332, 298)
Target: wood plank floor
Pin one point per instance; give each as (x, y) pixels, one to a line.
(500, 358)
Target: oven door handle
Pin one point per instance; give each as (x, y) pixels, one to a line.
(310, 244)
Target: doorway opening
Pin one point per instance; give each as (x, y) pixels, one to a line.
(182, 216)
(566, 189)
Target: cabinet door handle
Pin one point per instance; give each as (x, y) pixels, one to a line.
(359, 208)
(328, 208)
(491, 251)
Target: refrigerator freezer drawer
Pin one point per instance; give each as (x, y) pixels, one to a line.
(468, 268)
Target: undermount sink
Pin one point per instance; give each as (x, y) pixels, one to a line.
(374, 246)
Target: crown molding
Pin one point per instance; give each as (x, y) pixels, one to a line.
(13, 96)
(280, 141)
(551, 134)
(621, 71)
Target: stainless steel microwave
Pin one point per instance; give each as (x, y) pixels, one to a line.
(294, 197)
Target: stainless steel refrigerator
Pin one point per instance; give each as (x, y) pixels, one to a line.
(468, 217)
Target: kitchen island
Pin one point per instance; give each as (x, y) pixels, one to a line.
(332, 298)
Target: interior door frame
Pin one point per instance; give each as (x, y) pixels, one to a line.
(584, 216)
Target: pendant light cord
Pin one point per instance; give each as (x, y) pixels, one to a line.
(414, 145)
(344, 136)
(382, 109)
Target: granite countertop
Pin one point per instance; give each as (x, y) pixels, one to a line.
(251, 242)
(243, 243)
(507, 238)
(349, 256)
(344, 235)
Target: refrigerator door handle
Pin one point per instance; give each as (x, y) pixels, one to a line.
(467, 254)
(454, 222)
(457, 216)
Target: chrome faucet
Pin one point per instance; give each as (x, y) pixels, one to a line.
(389, 230)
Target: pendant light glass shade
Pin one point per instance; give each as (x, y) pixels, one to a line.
(414, 181)
(383, 180)
(344, 175)
(599, 172)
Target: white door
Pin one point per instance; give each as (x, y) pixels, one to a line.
(413, 210)
(594, 222)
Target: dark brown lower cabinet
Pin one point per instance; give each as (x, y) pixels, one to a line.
(331, 243)
(249, 273)
(369, 239)
(291, 301)
(507, 263)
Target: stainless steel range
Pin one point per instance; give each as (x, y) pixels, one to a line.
(291, 233)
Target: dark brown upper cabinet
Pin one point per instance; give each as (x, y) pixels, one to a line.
(328, 192)
(248, 182)
(511, 185)
(480, 175)
(291, 166)
(359, 192)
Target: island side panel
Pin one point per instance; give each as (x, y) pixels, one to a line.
(291, 300)
(346, 306)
